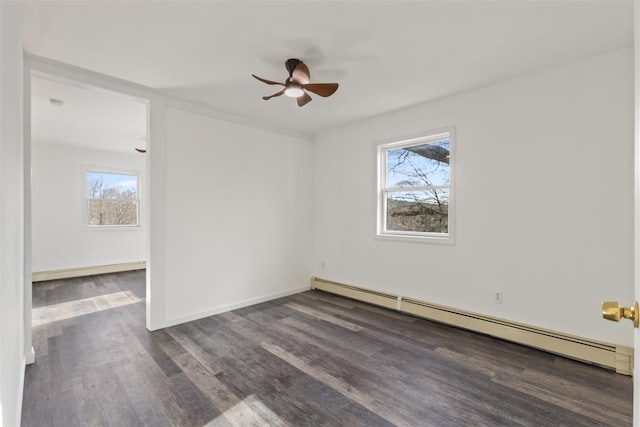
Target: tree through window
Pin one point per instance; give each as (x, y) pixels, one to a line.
(415, 187)
(112, 199)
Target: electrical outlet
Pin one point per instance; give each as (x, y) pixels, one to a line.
(497, 297)
(323, 265)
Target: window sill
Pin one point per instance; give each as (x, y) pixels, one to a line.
(113, 228)
(444, 240)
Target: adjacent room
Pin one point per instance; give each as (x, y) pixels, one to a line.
(425, 235)
(85, 171)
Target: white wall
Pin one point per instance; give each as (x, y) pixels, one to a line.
(12, 325)
(58, 206)
(238, 215)
(544, 200)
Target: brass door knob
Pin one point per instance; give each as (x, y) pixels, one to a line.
(611, 310)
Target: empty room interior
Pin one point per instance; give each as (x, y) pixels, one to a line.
(319, 213)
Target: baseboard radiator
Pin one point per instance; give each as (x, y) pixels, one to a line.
(41, 276)
(612, 356)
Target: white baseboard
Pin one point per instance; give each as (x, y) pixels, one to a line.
(240, 304)
(30, 357)
(604, 354)
(40, 276)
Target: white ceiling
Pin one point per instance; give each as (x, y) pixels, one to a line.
(90, 118)
(385, 55)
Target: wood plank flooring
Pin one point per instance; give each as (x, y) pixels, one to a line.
(311, 359)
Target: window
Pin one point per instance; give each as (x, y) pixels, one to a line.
(415, 188)
(112, 199)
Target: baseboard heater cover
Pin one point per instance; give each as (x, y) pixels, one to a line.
(603, 354)
(41, 276)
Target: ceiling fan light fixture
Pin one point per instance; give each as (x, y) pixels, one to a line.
(298, 84)
(294, 91)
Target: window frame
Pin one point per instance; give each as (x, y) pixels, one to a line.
(85, 199)
(381, 150)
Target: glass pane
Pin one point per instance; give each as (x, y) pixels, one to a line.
(105, 185)
(418, 165)
(112, 198)
(420, 211)
(112, 212)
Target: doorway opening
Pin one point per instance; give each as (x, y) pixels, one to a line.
(86, 192)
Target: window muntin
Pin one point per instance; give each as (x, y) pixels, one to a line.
(414, 194)
(112, 199)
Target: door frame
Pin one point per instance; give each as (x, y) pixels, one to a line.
(636, 213)
(41, 67)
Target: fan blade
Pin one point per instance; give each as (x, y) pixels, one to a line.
(301, 74)
(141, 150)
(266, 98)
(322, 89)
(304, 100)
(269, 82)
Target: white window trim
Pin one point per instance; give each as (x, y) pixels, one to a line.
(85, 204)
(381, 201)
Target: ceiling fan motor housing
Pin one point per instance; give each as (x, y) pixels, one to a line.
(291, 65)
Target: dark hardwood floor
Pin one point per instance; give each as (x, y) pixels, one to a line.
(311, 359)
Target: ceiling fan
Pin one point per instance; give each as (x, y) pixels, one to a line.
(298, 84)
